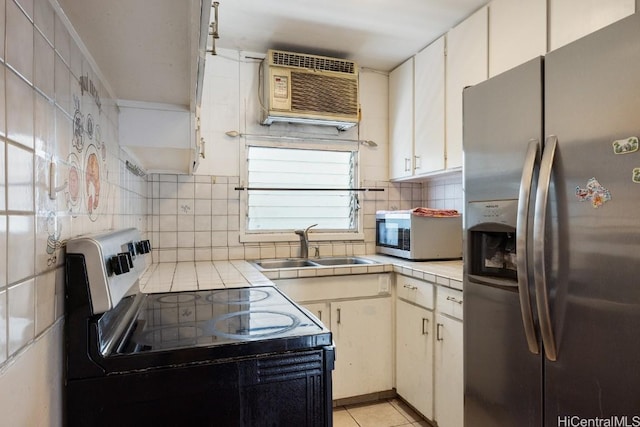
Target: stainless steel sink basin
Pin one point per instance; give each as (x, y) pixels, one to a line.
(274, 264)
(343, 261)
(268, 264)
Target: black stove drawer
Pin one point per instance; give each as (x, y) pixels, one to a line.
(289, 389)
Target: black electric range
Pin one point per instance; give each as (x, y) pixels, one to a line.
(227, 357)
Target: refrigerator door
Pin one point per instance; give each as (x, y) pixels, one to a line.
(500, 116)
(503, 378)
(591, 242)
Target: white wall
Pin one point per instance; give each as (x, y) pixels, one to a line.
(44, 118)
(230, 102)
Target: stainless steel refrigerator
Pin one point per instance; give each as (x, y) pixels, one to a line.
(552, 238)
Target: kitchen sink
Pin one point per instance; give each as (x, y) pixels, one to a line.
(269, 264)
(274, 264)
(343, 261)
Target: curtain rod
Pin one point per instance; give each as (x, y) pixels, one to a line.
(304, 189)
(366, 142)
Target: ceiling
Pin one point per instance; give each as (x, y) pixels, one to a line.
(149, 53)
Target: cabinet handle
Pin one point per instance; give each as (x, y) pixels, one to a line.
(411, 287)
(439, 336)
(425, 326)
(407, 164)
(320, 315)
(418, 162)
(452, 299)
(338, 315)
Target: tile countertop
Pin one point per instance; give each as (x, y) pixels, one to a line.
(186, 276)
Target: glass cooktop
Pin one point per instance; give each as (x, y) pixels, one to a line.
(215, 317)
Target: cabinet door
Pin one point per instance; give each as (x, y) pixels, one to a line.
(364, 348)
(321, 310)
(467, 47)
(401, 120)
(429, 142)
(570, 20)
(517, 33)
(414, 356)
(449, 385)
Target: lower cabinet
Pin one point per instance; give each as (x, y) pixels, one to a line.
(429, 349)
(414, 356)
(449, 379)
(364, 359)
(358, 310)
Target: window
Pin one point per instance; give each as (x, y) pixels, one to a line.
(281, 211)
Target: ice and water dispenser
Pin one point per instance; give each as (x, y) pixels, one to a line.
(491, 233)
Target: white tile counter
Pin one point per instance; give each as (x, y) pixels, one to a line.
(189, 276)
(185, 276)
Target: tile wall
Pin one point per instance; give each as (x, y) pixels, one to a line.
(198, 218)
(445, 192)
(54, 109)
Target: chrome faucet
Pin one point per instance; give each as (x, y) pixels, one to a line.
(304, 241)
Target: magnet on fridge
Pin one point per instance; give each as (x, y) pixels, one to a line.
(635, 177)
(593, 192)
(625, 146)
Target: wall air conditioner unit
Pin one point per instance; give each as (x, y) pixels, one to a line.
(310, 89)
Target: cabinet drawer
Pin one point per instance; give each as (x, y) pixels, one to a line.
(449, 301)
(415, 291)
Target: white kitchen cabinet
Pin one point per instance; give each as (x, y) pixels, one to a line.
(570, 20)
(161, 137)
(358, 310)
(401, 120)
(517, 33)
(429, 107)
(362, 333)
(415, 342)
(321, 310)
(466, 65)
(449, 379)
(414, 356)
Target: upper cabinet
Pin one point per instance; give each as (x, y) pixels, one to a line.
(571, 19)
(161, 137)
(401, 120)
(151, 60)
(429, 151)
(467, 56)
(517, 33)
(416, 114)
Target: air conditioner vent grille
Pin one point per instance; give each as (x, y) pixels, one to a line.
(312, 62)
(318, 93)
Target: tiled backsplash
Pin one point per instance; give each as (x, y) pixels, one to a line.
(198, 218)
(445, 192)
(54, 109)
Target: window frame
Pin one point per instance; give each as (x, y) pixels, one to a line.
(258, 236)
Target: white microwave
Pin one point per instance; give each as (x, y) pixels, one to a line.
(407, 235)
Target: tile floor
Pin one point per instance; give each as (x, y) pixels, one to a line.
(386, 413)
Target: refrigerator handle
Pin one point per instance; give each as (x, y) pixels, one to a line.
(539, 267)
(531, 160)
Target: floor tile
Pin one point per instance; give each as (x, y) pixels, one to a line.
(405, 410)
(341, 418)
(380, 414)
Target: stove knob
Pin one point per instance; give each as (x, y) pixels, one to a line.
(143, 246)
(121, 263)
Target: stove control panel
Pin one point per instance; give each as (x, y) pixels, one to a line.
(114, 261)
